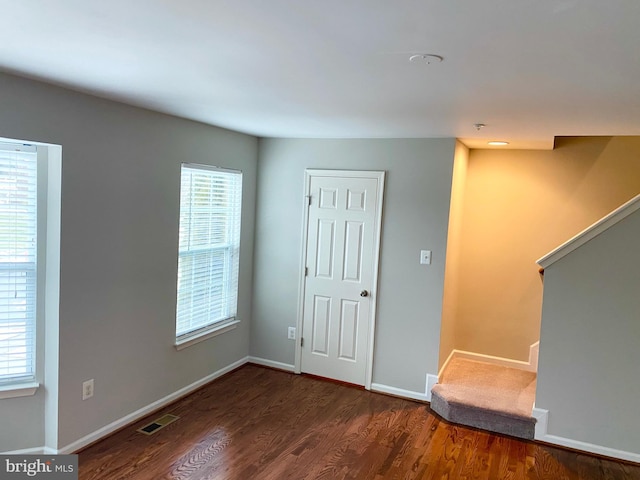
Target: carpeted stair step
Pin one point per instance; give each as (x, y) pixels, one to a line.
(459, 405)
(491, 397)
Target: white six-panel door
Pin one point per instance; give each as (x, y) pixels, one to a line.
(342, 240)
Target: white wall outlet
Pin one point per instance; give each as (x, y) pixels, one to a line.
(291, 333)
(87, 389)
(425, 257)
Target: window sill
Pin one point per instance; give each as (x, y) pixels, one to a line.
(214, 331)
(19, 390)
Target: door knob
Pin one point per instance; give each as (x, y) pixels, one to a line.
(364, 293)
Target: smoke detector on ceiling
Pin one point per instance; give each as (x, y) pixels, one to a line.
(425, 58)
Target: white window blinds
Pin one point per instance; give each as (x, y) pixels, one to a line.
(18, 280)
(209, 246)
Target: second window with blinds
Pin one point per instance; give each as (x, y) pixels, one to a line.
(208, 252)
(18, 253)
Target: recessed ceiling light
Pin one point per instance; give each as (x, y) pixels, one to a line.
(426, 58)
(498, 143)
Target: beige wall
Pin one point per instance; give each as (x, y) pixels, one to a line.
(452, 266)
(519, 205)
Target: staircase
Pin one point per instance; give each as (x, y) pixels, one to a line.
(487, 396)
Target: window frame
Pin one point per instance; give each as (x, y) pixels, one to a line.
(26, 384)
(231, 271)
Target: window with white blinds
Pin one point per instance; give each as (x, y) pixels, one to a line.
(209, 247)
(18, 279)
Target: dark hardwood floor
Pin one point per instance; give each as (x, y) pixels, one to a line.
(258, 423)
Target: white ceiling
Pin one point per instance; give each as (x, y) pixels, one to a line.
(528, 69)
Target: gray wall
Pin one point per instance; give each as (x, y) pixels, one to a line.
(588, 372)
(119, 234)
(415, 217)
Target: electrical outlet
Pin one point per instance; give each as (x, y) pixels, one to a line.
(291, 334)
(87, 389)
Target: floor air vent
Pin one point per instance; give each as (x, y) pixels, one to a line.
(157, 424)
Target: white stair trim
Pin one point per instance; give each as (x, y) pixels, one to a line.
(432, 380)
(530, 366)
(446, 362)
(591, 232)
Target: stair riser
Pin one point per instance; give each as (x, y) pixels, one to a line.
(480, 418)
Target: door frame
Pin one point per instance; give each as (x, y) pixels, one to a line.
(380, 177)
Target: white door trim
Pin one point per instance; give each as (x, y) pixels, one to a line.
(380, 177)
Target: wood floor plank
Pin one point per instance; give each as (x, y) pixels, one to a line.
(258, 423)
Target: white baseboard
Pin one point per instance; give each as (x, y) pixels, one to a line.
(530, 366)
(27, 451)
(541, 435)
(399, 392)
(132, 417)
(271, 363)
(375, 387)
(591, 448)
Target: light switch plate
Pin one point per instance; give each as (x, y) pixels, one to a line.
(425, 257)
